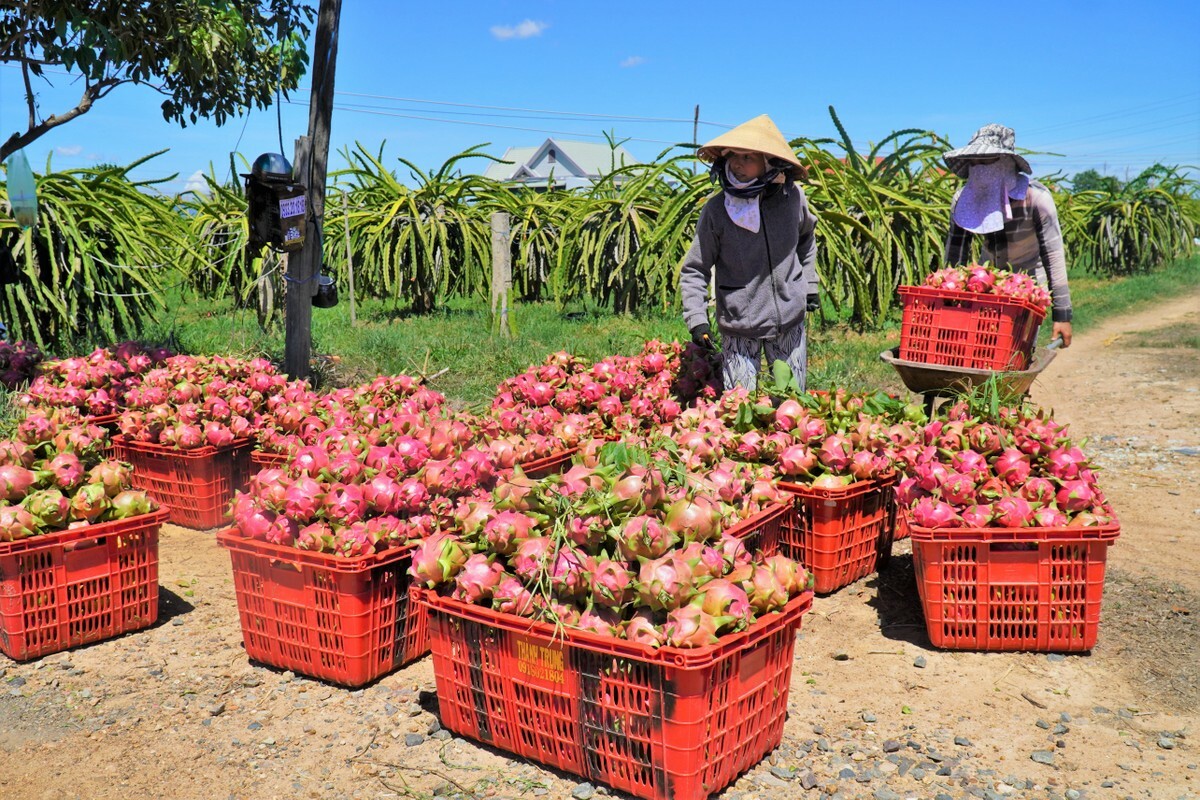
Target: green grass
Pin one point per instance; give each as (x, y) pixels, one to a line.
(460, 341)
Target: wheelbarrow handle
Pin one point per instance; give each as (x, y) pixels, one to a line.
(1055, 343)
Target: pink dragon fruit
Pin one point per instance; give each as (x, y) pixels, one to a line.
(931, 475)
(793, 577)
(601, 621)
(958, 489)
(733, 551)
(532, 558)
(836, 453)
(316, 537)
(49, 507)
(1049, 517)
(344, 503)
(477, 580)
(1075, 495)
(67, 470)
(511, 597)
(353, 541)
(282, 531)
(724, 598)
(612, 583)
(89, 502)
(1065, 463)
(16, 523)
(1013, 511)
(797, 460)
(970, 463)
(437, 559)
(1038, 491)
(691, 626)
(1013, 467)
(569, 573)
(977, 516)
(303, 499)
(764, 590)
(665, 583)
(931, 513)
(15, 482)
(642, 629)
(706, 562)
(694, 520)
(507, 530)
(645, 537)
(788, 414)
(130, 503)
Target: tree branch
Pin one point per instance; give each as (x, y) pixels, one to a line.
(29, 94)
(19, 140)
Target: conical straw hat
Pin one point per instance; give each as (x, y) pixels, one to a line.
(759, 134)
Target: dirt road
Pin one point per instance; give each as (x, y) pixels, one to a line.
(875, 711)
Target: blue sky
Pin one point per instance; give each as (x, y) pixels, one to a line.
(1110, 86)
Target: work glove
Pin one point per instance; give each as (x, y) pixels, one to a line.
(812, 303)
(702, 336)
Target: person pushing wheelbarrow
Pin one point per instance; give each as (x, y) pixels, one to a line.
(757, 234)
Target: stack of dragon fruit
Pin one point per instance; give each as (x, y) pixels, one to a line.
(632, 547)
(18, 361)
(352, 493)
(822, 441)
(195, 401)
(985, 279)
(53, 477)
(1022, 470)
(299, 417)
(95, 384)
(613, 395)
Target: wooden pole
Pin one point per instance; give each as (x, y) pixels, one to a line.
(501, 269)
(695, 133)
(349, 258)
(302, 284)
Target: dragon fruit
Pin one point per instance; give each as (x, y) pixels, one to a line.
(601, 621)
(344, 503)
(836, 452)
(694, 520)
(67, 470)
(130, 503)
(477, 580)
(691, 626)
(1049, 517)
(642, 629)
(1065, 463)
(931, 513)
(1038, 491)
(958, 489)
(316, 537)
(977, 516)
(49, 507)
(438, 559)
(797, 460)
(1013, 467)
(1013, 511)
(733, 551)
(511, 597)
(612, 583)
(764, 590)
(791, 575)
(15, 482)
(16, 523)
(353, 541)
(645, 537)
(569, 573)
(706, 562)
(724, 598)
(532, 558)
(507, 530)
(302, 499)
(90, 502)
(665, 583)
(282, 531)
(1075, 495)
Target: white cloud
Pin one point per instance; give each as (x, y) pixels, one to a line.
(633, 61)
(196, 183)
(523, 30)
(73, 150)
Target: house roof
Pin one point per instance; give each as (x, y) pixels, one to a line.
(571, 159)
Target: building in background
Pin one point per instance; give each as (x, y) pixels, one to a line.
(559, 164)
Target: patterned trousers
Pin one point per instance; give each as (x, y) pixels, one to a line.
(742, 357)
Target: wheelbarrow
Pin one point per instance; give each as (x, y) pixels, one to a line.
(934, 381)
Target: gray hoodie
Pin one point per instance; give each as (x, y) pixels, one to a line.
(764, 278)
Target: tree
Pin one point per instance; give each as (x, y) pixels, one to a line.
(210, 58)
(1091, 181)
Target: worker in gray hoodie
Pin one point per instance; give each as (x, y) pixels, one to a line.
(758, 234)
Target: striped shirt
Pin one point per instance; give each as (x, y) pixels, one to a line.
(1031, 242)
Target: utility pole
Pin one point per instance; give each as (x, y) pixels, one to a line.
(302, 284)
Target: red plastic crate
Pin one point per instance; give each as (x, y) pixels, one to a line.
(667, 723)
(343, 620)
(841, 534)
(965, 329)
(197, 485)
(548, 465)
(1033, 589)
(261, 459)
(78, 586)
(762, 531)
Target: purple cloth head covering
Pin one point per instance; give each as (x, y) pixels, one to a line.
(983, 206)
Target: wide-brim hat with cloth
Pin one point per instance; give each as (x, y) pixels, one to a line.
(988, 142)
(995, 177)
(760, 135)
